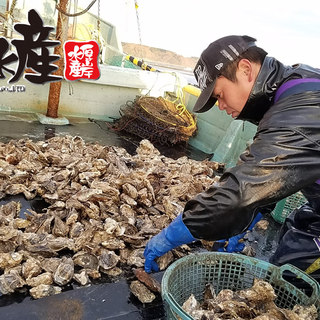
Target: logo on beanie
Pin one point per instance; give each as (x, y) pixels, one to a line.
(219, 66)
(202, 75)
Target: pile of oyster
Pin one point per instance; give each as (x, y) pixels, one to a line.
(103, 206)
(255, 303)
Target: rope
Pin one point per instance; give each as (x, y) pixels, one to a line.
(98, 20)
(140, 63)
(13, 4)
(179, 101)
(138, 21)
(78, 13)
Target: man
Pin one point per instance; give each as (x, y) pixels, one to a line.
(284, 101)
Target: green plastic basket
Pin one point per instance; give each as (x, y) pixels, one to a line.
(190, 274)
(284, 207)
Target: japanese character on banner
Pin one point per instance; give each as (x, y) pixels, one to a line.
(81, 60)
(32, 52)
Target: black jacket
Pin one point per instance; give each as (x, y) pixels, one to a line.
(283, 158)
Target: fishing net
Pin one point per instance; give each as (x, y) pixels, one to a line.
(157, 119)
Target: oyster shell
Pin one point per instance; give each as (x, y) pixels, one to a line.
(43, 278)
(141, 292)
(104, 204)
(136, 258)
(191, 305)
(165, 260)
(10, 260)
(82, 277)
(256, 303)
(31, 268)
(151, 283)
(44, 290)
(261, 291)
(86, 260)
(64, 272)
(50, 264)
(114, 272)
(60, 229)
(108, 260)
(113, 244)
(11, 281)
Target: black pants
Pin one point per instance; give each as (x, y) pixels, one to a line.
(299, 238)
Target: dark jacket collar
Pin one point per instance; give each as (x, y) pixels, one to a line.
(261, 97)
(271, 76)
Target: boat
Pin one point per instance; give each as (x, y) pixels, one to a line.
(120, 81)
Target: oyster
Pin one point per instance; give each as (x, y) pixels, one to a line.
(262, 225)
(113, 244)
(8, 233)
(261, 292)
(82, 277)
(136, 258)
(10, 209)
(60, 229)
(256, 303)
(130, 190)
(306, 313)
(114, 272)
(141, 292)
(76, 229)
(11, 281)
(50, 264)
(151, 283)
(86, 260)
(43, 278)
(165, 260)
(191, 305)
(111, 226)
(248, 251)
(128, 213)
(44, 290)
(108, 260)
(31, 268)
(10, 260)
(64, 272)
(103, 205)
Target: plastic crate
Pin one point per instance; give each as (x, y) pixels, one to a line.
(190, 274)
(284, 207)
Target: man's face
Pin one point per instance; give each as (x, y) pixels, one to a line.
(232, 96)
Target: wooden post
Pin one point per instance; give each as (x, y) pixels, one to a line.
(55, 87)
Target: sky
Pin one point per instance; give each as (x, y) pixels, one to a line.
(288, 30)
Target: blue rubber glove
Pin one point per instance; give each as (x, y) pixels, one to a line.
(233, 243)
(169, 238)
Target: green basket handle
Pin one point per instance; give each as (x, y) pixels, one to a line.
(305, 277)
(176, 307)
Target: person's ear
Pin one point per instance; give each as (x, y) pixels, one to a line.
(245, 68)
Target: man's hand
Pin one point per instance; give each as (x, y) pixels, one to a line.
(232, 244)
(169, 238)
(156, 247)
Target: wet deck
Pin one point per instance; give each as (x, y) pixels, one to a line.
(101, 300)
